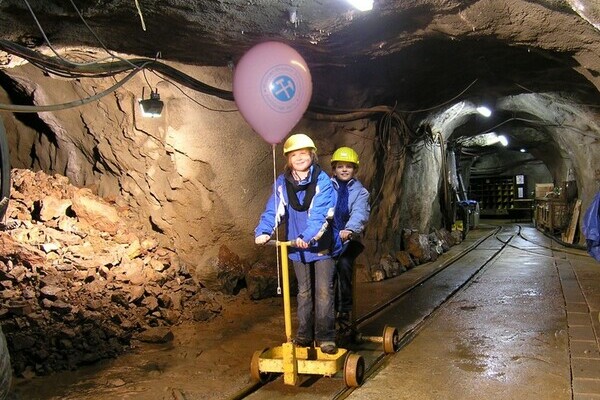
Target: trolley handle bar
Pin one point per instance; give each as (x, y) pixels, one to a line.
(289, 243)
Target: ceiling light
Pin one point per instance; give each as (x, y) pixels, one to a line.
(484, 139)
(293, 15)
(362, 5)
(523, 151)
(153, 106)
(483, 110)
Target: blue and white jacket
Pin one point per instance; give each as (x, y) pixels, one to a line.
(591, 227)
(358, 204)
(312, 226)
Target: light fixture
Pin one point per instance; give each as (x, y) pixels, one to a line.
(484, 139)
(503, 140)
(362, 5)
(293, 15)
(153, 106)
(523, 151)
(483, 110)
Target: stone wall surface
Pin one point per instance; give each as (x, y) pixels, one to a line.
(198, 174)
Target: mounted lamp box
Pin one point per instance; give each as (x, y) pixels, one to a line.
(541, 189)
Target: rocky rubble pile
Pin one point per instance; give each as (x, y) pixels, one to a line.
(80, 278)
(418, 248)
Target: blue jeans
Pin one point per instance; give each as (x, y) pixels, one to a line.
(316, 315)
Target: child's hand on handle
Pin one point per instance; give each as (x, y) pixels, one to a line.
(301, 244)
(346, 234)
(262, 239)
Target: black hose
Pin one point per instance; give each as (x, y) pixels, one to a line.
(559, 241)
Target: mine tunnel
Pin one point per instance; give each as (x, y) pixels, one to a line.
(134, 171)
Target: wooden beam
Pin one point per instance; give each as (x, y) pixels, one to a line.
(570, 235)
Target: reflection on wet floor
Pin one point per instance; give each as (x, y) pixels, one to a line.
(514, 332)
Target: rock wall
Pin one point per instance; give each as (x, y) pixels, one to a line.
(80, 278)
(198, 175)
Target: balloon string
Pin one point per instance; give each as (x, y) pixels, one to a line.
(276, 224)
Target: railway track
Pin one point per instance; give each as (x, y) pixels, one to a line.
(405, 306)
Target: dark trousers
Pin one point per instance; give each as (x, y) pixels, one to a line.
(316, 316)
(344, 273)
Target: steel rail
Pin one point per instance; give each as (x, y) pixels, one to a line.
(408, 336)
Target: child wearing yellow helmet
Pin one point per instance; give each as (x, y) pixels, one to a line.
(351, 215)
(304, 199)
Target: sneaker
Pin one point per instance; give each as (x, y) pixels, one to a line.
(302, 342)
(329, 347)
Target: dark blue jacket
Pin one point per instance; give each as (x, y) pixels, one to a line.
(358, 205)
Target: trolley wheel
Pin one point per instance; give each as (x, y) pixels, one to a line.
(354, 370)
(390, 339)
(258, 376)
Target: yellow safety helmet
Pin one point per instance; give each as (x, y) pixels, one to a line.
(345, 154)
(297, 142)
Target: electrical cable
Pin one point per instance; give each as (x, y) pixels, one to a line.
(101, 70)
(313, 112)
(441, 104)
(196, 101)
(182, 79)
(60, 68)
(64, 68)
(48, 40)
(562, 243)
(139, 10)
(531, 121)
(390, 120)
(96, 36)
(59, 65)
(16, 108)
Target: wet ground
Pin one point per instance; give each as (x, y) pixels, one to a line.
(204, 361)
(516, 332)
(525, 328)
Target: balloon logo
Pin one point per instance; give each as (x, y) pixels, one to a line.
(272, 87)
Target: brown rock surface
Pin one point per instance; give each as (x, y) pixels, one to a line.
(79, 281)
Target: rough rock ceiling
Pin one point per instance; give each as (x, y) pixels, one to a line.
(416, 54)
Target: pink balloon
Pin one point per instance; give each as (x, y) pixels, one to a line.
(272, 87)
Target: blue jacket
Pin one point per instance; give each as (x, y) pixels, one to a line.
(358, 204)
(591, 227)
(311, 226)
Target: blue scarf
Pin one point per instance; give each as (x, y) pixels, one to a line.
(342, 212)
